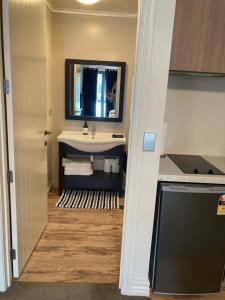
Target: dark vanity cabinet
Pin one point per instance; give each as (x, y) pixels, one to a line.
(99, 180)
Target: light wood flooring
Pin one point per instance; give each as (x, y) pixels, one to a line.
(78, 245)
(83, 246)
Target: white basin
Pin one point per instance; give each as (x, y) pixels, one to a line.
(99, 143)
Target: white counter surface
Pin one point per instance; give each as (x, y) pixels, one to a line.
(168, 171)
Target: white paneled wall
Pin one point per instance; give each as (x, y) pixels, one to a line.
(28, 121)
(149, 98)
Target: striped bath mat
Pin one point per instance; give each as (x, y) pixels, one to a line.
(88, 199)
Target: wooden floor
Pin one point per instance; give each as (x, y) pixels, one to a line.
(77, 246)
(83, 246)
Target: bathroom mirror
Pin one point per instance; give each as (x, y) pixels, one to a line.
(94, 90)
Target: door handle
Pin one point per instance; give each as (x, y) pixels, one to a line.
(46, 132)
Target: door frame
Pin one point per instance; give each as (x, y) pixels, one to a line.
(10, 127)
(5, 235)
(155, 27)
(5, 241)
(149, 90)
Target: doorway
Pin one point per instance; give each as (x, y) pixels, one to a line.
(77, 245)
(133, 278)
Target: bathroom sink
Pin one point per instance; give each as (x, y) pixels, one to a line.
(99, 143)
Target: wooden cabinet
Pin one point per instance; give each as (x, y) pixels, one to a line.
(199, 36)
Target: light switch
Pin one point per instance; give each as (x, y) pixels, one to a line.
(149, 141)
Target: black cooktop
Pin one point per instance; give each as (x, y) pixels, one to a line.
(194, 164)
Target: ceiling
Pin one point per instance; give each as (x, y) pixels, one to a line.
(119, 6)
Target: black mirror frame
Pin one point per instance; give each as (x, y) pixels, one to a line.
(69, 89)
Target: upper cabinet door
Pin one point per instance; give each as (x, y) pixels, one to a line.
(199, 36)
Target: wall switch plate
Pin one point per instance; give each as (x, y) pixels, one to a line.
(149, 141)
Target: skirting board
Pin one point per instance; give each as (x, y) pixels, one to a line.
(49, 187)
(55, 185)
(139, 287)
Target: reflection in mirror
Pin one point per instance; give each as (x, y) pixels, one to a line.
(95, 90)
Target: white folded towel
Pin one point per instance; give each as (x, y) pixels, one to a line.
(80, 161)
(78, 168)
(75, 172)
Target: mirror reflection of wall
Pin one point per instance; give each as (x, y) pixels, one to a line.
(94, 90)
(97, 92)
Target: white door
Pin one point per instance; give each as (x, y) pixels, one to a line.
(25, 67)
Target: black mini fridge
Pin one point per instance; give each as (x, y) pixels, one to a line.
(188, 245)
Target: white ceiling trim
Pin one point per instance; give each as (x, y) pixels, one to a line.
(91, 12)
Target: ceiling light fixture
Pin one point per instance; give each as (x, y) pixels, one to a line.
(88, 2)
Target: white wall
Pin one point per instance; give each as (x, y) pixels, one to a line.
(148, 100)
(89, 37)
(195, 112)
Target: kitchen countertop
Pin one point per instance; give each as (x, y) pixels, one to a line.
(168, 171)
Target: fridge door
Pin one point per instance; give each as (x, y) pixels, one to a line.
(189, 247)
